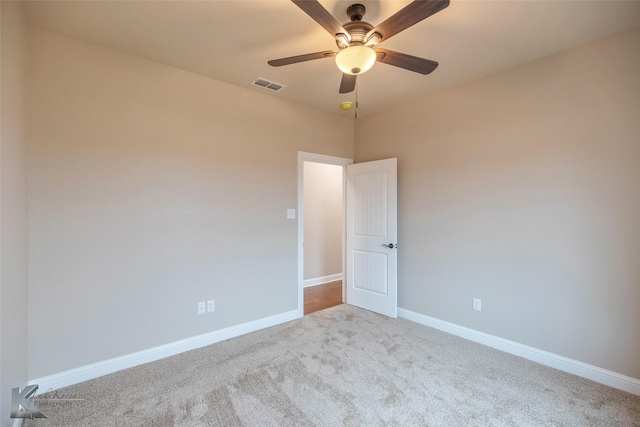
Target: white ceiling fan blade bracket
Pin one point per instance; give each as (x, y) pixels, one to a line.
(373, 39)
(343, 40)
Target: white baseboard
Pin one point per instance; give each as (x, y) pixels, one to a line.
(322, 280)
(95, 370)
(603, 376)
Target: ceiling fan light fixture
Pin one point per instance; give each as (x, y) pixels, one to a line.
(355, 60)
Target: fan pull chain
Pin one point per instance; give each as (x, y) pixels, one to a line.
(356, 109)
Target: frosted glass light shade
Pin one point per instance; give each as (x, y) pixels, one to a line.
(355, 60)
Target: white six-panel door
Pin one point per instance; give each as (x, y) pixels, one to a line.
(371, 258)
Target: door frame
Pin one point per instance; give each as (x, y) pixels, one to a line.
(331, 160)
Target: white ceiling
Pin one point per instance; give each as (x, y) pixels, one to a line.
(232, 40)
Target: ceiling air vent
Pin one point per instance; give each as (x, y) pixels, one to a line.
(268, 84)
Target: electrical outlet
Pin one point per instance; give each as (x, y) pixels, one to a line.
(211, 305)
(477, 304)
(201, 308)
(291, 214)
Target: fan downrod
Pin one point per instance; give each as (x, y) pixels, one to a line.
(355, 12)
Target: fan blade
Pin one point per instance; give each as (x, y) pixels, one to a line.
(411, 14)
(348, 83)
(322, 17)
(301, 58)
(408, 62)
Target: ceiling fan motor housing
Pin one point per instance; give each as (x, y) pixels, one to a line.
(357, 30)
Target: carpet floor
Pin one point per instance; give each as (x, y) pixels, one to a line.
(341, 367)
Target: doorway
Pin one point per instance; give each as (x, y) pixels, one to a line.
(369, 232)
(321, 230)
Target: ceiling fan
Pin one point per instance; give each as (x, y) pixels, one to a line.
(357, 39)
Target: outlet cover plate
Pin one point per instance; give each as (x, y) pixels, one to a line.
(477, 304)
(201, 308)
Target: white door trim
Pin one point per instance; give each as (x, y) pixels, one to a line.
(317, 158)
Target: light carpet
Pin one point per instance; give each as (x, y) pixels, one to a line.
(341, 367)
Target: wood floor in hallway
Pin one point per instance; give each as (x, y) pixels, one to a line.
(323, 296)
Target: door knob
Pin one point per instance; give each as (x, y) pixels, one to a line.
(390, 245)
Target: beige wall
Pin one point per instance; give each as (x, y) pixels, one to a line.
(152, 189)
(523, 189)
(13, 206)
(323, 213)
